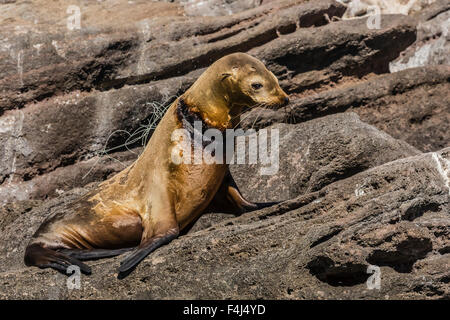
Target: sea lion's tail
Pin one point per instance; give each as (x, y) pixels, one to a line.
(37, 255)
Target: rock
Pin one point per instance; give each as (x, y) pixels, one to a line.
(411, 105)
(337, 52)
(68, 177)
(361, 8)
(432, 46)
(316, 153)
(217, 7)
(25, 15)
(77, 126)
(46, 61)
(319, 245)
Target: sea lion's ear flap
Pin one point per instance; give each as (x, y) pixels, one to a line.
(225, 75)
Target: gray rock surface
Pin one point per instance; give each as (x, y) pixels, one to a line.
(432, 46)
(316, 153)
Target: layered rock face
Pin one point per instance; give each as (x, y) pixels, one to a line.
(364, 146)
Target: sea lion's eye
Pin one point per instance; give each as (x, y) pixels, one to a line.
(256, 85)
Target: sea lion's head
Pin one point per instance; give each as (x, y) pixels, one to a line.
(229, 86)
(248, 83)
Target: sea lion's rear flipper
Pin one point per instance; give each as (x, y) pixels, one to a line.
(39, 256)
(229, 199)
(94, 254)
(139, 254)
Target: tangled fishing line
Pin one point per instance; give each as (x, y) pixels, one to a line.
(140, 134)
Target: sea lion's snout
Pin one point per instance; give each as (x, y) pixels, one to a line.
(281, 99)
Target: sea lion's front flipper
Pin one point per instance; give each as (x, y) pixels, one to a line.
(139, 254)
(229, 199)
(160, 226)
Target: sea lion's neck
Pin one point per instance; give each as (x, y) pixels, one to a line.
(208, 100)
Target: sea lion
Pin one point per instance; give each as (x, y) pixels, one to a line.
(147, 204)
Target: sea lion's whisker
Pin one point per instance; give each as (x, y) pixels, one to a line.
(286, 114)
(292, 113)
(250, 112)
(257, 117)
(239, 114)
(242, 119)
